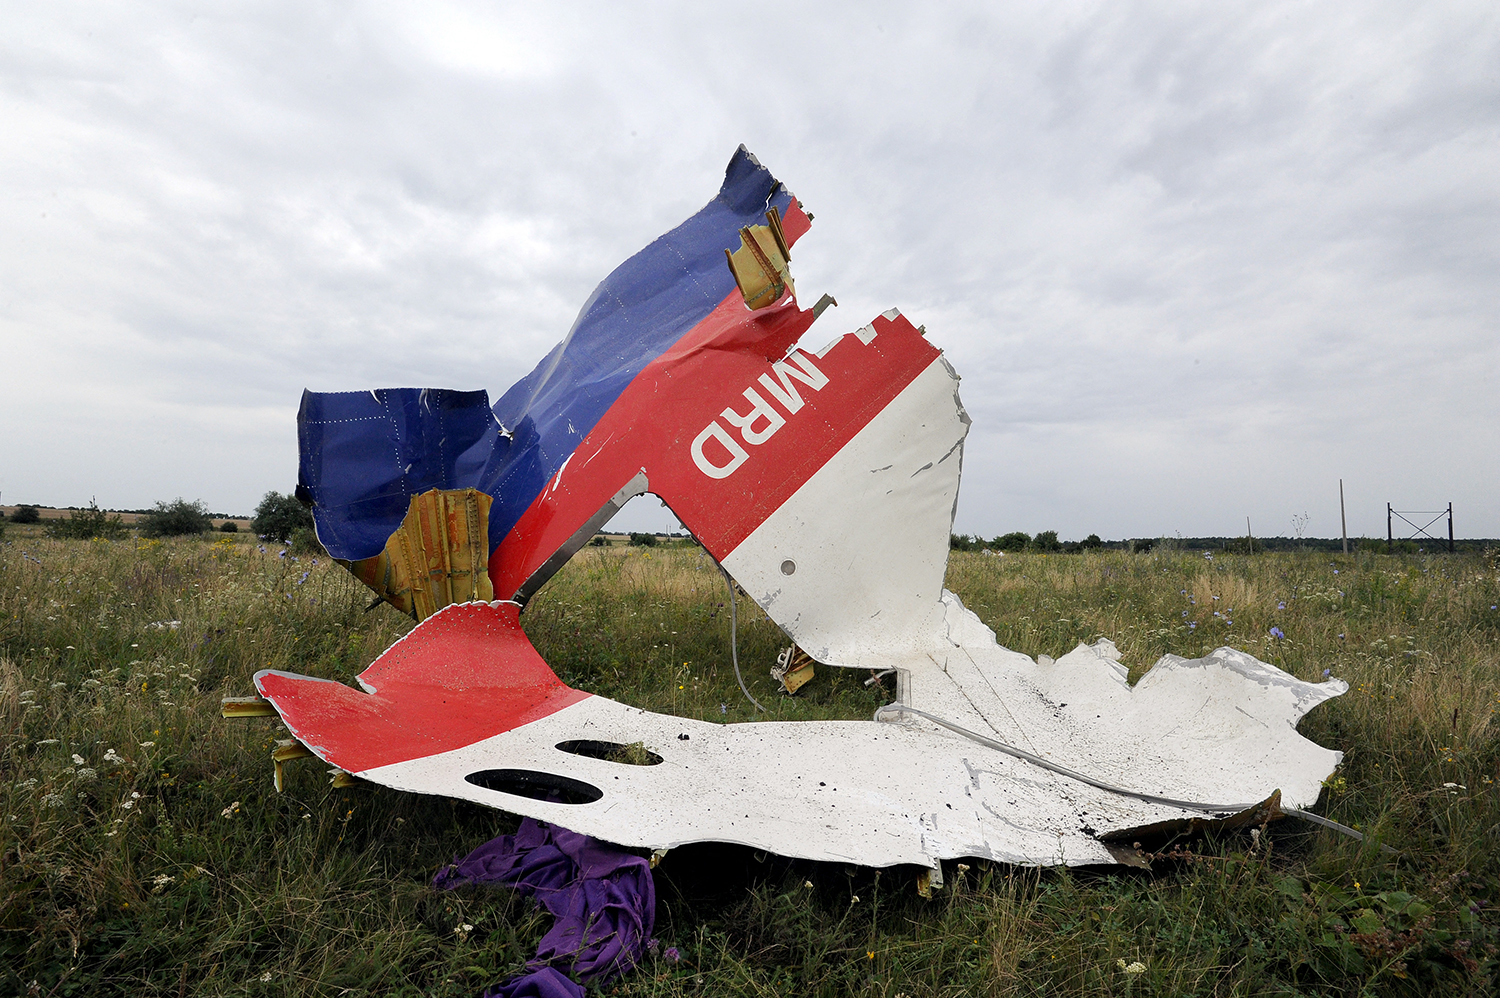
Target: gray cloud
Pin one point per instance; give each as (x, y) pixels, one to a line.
(1193, 264)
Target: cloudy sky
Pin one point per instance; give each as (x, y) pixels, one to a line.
(1194, 262)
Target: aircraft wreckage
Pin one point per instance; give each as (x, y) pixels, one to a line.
(683, 377)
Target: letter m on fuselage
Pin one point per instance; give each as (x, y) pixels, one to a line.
(782, 388)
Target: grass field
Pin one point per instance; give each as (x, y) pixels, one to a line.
(143, 850)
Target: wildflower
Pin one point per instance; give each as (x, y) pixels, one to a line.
(302, 579)
(229, 811)
(1132, 969)
(281, 554)
(77, 759)
(723, 708)
(265, 977)
(1327, 673)
(1281, 604)
(672, 954)
(85, 775)
(1277, 633)
(54, 799)
(854, 899)
(147, 744)
(46, 741)
(160, 881)
(110, 755)
(1192, 625)
(869, 954)
(1184, 614)
(807, 884)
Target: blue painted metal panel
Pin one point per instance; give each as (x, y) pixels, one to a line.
(364, 454)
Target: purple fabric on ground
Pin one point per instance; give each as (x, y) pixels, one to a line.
(545, 983)
(602, 900)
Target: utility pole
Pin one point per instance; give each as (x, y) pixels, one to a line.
(1390, 542)
(1343, 521)
(1450, 528)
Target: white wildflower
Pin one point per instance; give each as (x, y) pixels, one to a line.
(53, 799)
(1133, 969)
(229, 811)
(77, 759)
(87, 774)
(160, 881)
(147, 744)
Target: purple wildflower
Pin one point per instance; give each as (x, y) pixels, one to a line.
(1277, 633)
(672, 954)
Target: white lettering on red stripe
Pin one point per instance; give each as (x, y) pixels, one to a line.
(763, 419)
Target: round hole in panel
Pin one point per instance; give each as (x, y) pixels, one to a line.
(788, 567)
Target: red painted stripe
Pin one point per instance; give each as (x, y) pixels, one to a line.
(466, 673)
(656, 419)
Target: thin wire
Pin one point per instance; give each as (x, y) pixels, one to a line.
(1071, 774)
(734, 642)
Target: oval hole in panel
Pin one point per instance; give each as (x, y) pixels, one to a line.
(537, 786)
(635, 754)
(788, 567)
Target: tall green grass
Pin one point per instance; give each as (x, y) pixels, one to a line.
(143, 850)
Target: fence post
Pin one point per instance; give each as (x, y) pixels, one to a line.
(1343, 520)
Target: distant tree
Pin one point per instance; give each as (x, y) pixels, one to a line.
(1046, 541)
(86, 524)
(961, 542)
(229, 527)
(25, 514)
(178, 518)
(279, 516)
(1091, 541)
(643, 540)
(1016, 540)
(599, 541)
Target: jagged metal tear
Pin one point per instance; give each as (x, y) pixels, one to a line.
(851, 566)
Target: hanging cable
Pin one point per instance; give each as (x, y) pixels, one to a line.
(734, 642)
(1071, 774)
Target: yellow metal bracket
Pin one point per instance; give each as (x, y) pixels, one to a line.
(439, 554)
(761, 266)
(793, 669)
